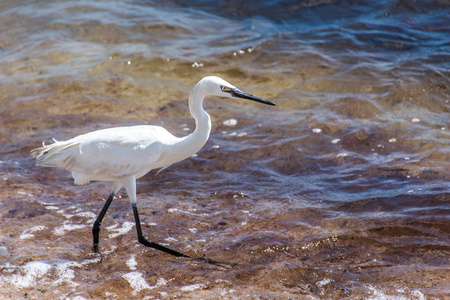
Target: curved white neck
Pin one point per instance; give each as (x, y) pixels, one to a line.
(197, 139)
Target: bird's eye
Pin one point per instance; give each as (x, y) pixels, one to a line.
(225, 89)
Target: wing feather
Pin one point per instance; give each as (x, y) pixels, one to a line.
(108, 154)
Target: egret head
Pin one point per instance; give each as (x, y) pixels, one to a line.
(213, 85)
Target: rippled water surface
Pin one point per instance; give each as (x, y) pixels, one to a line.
(340, 191)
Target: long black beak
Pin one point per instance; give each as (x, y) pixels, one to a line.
(240, 94)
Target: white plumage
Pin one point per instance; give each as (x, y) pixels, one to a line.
(111, 154)
(123, 154)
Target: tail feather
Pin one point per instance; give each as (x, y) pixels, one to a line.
(58, 154)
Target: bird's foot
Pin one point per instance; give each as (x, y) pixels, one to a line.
(214, 262)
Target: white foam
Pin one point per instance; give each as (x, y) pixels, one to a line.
(126, 226)
(64, 214)
(28, 233)
(324, 282)
(171, 239)
(32, 272)
(65, 275)
(111, 227)
(132, 263)
(335, 141)
(197, 65)
(41, 273)
(137, 282)
(161, 281)
(193, 287)
(110, 250)
(379, 294)
(51, 207)
(230, 122)
(25, 193)
(418, 295)
(67, 227)
(110, 295)
(86, 214)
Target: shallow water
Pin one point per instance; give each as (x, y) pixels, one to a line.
(341, 191)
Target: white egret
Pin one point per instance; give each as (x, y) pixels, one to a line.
(123, 154)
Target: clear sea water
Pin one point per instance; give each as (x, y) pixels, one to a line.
(341, 191)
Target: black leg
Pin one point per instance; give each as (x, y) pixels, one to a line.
(98, 222)
(143, 240)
